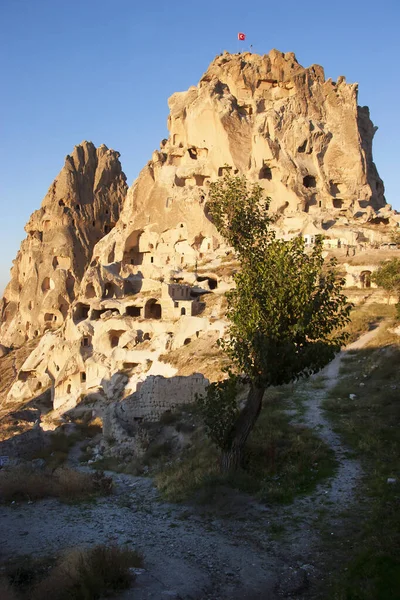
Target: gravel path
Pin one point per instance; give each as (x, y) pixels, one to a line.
(237, 549)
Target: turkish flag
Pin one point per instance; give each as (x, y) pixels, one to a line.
(241, 37)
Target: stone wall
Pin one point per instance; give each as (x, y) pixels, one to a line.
(155, 396)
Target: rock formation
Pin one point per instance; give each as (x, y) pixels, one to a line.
(82, 205)
(141, 293)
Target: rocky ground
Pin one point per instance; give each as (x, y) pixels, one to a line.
(235, 548)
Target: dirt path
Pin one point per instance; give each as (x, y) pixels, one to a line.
(237, 549)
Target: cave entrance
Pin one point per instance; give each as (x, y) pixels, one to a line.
(152, 309)
(365, 279)
(81, 312)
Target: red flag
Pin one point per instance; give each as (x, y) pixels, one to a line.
(241, 37)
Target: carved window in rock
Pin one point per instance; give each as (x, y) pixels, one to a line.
(69, 388)
(114, 337)
(265, 173)
(183, 311)
(337, 203)
(90, 291)
(86, 341)
(200, 179)
(83, 377)
(309, 181)
(129, 365)
(47, 284)
(224, 171)
(133, 311)
(81, 312)
(111, 255)
(109, 291)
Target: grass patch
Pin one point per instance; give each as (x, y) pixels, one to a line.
(282, 460)
(188, 475)
(370, 424)
(86, 574)
(23, 483)
(365, 317)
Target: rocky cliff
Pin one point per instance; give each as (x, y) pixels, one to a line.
(140, 296)
(301, 137)
(82, 205)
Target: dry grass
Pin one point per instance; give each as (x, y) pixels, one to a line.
(22, 483)
(366, 317)
(79, 574)
(9, 427)
(189, 474)
(201, 355)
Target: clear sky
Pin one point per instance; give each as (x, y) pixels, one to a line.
(103, 71)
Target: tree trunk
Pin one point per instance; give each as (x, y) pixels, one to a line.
(232, 459)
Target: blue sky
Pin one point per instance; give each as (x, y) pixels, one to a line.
(103, 71)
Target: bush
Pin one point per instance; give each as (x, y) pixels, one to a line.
(6, 591)
(24, 483)
(89, 574)
(86, 574)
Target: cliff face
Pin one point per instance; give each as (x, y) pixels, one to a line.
(139, 296)
(82, 205)
(302, 138)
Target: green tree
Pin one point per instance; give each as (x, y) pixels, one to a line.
(286, 312)
(388, 278)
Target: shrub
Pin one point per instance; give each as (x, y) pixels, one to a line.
(24, 483)
(6, 591)
(78, 574)
(89, 574)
